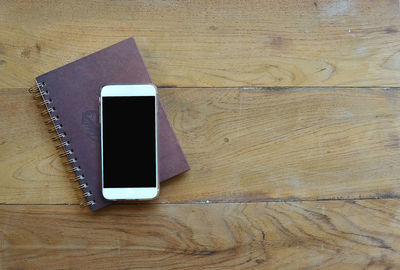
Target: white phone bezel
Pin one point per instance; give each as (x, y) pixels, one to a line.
(145, 193)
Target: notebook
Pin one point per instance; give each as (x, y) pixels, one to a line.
(70, 95)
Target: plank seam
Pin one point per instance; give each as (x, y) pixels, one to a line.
(276, 88)
(384, 197)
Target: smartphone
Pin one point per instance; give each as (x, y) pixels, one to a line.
(128, 120)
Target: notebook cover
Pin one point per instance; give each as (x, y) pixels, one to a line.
(74, 90)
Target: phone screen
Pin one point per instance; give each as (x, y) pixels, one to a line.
(129, 142)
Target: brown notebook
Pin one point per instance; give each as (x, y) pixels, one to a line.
(71, 94)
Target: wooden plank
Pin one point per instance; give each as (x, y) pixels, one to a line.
(261, 144)
(296, 235)
(211, 43)
(242, 145)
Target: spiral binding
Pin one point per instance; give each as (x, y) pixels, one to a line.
(59, 136)
(40, 91)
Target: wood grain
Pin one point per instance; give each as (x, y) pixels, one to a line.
(243, 144)
(282, 177)
(211, 43)
(296, 235)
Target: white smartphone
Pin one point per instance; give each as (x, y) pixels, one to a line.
(128, 119)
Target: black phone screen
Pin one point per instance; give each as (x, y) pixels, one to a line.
(129, 142)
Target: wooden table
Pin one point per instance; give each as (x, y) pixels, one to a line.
(288, 113)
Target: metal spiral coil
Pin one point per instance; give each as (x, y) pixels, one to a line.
(63, 144)
(59, 136)
(70, 161)
(66, 153)
(56, 127)
(88, 203)
(45, 102)
(34, 89)
(82, 186)
(77, 178)
(74, 169)
(39, 94)
(47, 111)
(52, 120)
(86, 194)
